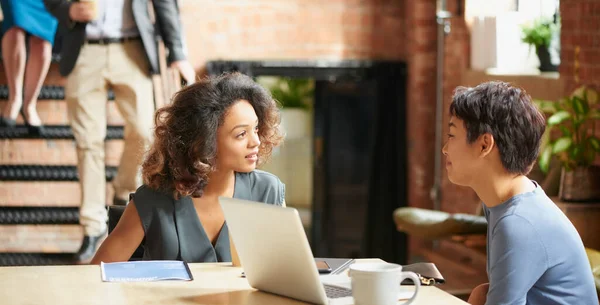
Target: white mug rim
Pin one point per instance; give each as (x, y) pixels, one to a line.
(364, 268)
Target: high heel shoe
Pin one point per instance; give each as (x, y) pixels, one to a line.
(34, 130)
(6, 122)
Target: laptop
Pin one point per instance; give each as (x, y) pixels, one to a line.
(275, 252)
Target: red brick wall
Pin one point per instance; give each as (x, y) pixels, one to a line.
(421, 50)
(421, 56)
(580, 33)
(293, 29)
(580, 28)
(456, 199)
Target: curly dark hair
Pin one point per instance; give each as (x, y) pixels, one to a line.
(509, 115)
(184, 150)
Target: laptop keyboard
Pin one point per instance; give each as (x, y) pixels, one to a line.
(334, 292)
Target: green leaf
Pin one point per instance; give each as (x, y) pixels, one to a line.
(580, 105)
(546, 106)
(562, 144)
(576, 153)
(594, 143)
(293, 93)
(588, 94)
(539, 32)
(545, 157)
(565, 131)
(564, 104)
(558, 118)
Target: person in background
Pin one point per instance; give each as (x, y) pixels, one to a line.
(25, 75)
(112, 44)
(208, 143)
(535, 255)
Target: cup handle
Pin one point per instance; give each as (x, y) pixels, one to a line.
(415, 278)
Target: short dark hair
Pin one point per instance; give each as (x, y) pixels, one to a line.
(509, 115)
(184, 150)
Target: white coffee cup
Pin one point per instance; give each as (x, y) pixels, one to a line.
(379, 283)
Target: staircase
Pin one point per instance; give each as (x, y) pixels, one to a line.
(39, 192)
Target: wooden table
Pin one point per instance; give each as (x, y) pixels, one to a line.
(212, 284)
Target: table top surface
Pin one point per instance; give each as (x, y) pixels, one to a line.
(213, 284)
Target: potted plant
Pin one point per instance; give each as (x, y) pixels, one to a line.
(295, 96)
(571, 137)
(539, 34)
(292, 162)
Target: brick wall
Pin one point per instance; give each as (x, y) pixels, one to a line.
(421, 55)
(455, 199)
(580, 28)
(293, 29)
(580, 46)
(421, 51)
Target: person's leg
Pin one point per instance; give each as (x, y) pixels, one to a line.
(40, 55)
(130, 79)
(13, 59)
(479, 295)
(86, 93)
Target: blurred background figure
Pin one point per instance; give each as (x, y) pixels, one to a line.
(25, 19)
(112, 44)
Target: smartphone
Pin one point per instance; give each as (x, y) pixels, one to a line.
(323, 267)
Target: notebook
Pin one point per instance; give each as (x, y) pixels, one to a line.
(145, 271)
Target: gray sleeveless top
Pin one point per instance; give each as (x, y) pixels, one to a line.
(173, 230)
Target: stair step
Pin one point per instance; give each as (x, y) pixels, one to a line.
(54, 112)
(38, 215)
(55, 132)
(48, 92)
(40, 238)
(45, 173)
(52, 152)
(40, 194)
(36, 259)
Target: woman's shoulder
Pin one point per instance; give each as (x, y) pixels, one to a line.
(260, 177)
(146, 195)
(261, 186)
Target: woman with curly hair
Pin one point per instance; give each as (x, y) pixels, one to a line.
(207, 144)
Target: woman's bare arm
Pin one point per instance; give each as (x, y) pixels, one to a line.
(123, 240)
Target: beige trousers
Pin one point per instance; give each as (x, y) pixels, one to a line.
(124, 68)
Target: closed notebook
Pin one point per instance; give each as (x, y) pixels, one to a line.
(145, 271)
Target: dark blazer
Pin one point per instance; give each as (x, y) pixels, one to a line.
(168, 26)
